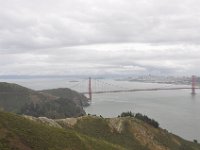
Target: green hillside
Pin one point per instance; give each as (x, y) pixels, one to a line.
(18, 133)
(79, 99)
(21, 100)
(13, 96)
(130, 133)
(85, 133)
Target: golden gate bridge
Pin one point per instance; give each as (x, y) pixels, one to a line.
(97, 86)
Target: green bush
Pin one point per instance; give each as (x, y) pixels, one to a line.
(140, 117)
(195, 141)
(127, 114)
(147, 120)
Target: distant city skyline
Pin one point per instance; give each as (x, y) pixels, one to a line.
(100, 37)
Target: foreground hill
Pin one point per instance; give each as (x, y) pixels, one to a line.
(21, 100)
(85, 133)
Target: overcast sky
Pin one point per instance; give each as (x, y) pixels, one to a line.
(99, 37)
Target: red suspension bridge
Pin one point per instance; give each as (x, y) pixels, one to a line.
(96, 86)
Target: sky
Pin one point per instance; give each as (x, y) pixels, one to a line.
(100, 37)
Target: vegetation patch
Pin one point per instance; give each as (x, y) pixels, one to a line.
(140, 117)
(58, 103)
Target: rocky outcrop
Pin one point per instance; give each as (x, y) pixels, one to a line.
(44, 120)
(116, 124)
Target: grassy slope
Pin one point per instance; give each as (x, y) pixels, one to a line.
(99, 128)
(136, 135)
(90, 133)
(19, 133)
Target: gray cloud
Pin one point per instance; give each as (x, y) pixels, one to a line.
(99, 37)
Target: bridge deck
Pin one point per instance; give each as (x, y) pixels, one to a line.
(138, 90)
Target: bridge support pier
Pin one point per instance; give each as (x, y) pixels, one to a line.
(90, 89)
(193, 85)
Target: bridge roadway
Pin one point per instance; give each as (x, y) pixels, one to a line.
(138, 90)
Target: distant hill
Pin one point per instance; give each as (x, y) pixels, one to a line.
(79, 99)
(21, 100)
(85, 133)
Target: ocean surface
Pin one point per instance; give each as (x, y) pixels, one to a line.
(177, 111)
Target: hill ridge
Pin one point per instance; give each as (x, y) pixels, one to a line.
(22, 100)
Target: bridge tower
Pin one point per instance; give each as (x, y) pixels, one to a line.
(90, 89)
(193, 85)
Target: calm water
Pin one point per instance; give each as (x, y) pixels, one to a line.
(176, 111)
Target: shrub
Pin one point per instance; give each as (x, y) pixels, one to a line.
(127, 114)
(147, 120)
(140, 117)
(195, 141)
